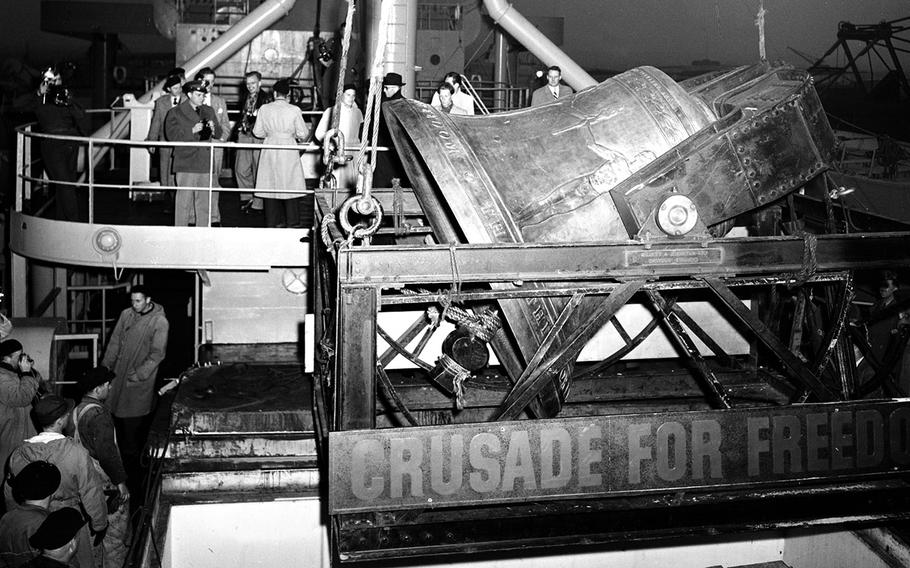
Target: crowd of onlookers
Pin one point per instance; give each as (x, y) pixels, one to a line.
(68, 467)
(270, 179)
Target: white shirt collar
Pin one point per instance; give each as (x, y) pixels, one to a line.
(45, 437)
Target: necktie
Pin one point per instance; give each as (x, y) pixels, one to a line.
(176, 101)
(555, 94)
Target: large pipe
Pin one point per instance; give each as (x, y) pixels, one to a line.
(216, 53)
(400, 39)
(524, 31)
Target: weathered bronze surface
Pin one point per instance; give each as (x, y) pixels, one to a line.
(598, 166)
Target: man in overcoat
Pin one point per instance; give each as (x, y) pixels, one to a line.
(193, 121)
(136, 348)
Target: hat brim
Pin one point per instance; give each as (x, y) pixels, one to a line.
(70, 404)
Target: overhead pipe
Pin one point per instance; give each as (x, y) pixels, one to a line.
(216, 53)
(537, 43)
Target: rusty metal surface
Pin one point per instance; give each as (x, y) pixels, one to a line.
(573, 525)
(582, 262)
(242, 398)
(608, 456)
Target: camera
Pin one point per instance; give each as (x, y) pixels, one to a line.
(206, 132)
(325, 54)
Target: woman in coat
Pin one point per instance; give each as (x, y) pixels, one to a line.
(280, 122)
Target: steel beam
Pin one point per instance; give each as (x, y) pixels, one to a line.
(400, 265)
(355, 359)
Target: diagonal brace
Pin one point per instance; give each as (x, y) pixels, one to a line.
(537, 374)
(806, 378)
(674, 325)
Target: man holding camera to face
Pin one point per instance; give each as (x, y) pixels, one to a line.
(193, 121)
(19, 383)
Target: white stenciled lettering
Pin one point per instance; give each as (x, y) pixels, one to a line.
(706, 438)
(364, 486)
(405, 460)
(638, 452)
(446, 480)
(555, 458)
(590, 453)
(486, 475)
(519, 464)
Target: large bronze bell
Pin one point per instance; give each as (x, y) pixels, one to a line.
(636, 156)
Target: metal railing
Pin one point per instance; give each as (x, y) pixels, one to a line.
(513, 98)
(30, 174)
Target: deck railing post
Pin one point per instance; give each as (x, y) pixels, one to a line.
(91, 181)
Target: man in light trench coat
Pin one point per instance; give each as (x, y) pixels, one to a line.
(135, 350)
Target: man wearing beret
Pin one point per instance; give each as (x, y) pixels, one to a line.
(57, 539)
(19, 383)
(32, 490)
(93, 427)
(193, 121)
(172, 97)
(80, 483)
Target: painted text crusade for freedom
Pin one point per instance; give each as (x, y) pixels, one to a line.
(549, 459)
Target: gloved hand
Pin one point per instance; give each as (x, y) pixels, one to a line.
(99, 537)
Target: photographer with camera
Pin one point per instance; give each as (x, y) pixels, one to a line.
(20, 382)
(193, 121)
(59, 114)
(246, 161)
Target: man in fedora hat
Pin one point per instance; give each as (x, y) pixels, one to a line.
(32, 490)
(80, 483)
(93, 427)
(57, 539)
(19, 383)
(391, 87)
(388, 165)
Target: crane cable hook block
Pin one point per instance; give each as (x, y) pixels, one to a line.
(368, 208)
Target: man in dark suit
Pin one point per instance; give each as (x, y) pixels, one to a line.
(193, 121)
(171, 98)
(246, 161)
(553, 90)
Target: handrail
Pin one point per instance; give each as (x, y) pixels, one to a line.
(24, 180)
(471, 91)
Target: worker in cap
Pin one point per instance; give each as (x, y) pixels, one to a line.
(196, 86)
(32, 489)
(19, 383)
(81, 485)
(57, 539)
(93, 427)
(194, 121)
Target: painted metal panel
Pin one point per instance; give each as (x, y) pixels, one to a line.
(255, 307)
(503, 462)
(193, 248)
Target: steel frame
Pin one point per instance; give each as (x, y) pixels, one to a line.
(357, 283)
